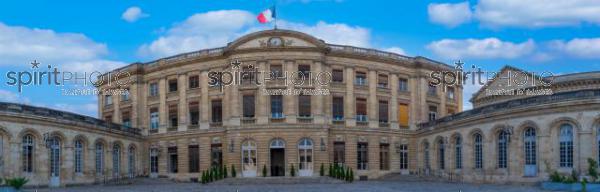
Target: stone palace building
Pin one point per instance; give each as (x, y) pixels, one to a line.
(380, 115)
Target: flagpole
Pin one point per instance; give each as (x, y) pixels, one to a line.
(275, 13)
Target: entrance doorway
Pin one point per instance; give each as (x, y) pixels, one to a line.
(54, 162)
(277, 157)
(249, 159)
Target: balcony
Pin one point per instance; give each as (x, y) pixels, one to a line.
(248, 120)
(304, 119)
(338, 119)
(277, 118)
(362, 119)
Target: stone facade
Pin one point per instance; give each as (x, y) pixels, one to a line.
(186, 126)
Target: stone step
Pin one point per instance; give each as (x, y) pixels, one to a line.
(277, 180)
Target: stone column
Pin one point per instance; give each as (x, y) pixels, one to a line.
(290, 101)
(183, 104)
(442, 111)
(233, 104)
(414, 109)
(136, 120)
(204, 100)
(349, 100)
(162, 108)
(116, 109)
(393, 103)
(372, 102)
(262, 106)
(317, 100)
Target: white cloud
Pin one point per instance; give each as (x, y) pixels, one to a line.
(487, 48)
(206, 30)
(450, 15)
(133, 14)
(579, 47)
(537, 13)
(8, 96)
(397, 50)
(21, 45)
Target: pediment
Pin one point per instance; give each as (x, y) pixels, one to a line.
(285, 41)
(276, 39)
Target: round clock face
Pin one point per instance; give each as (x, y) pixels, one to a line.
(275, 41)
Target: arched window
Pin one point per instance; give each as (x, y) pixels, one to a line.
(28, 152)
(99, 159)
(598, 140)
(426, 155)
(478, 150)
(249, 163)
(131, 162)
(441, 154)
(116, 160)
(566, 145)
(305, 153)
(1, 153)
(502, 149)
(78, 156)
(529, 140)
(153, 160)
(55, 157)
(458, 153)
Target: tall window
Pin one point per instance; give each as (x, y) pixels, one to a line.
(276, 106)
(248, 107)
(432, 90)
(304, 71)
(99, 159)
(450, 93)
(304, 106)
(126, 118)
(339, 153)
(116, 160)
(172, 85)
(598, 140)
(154, 160)
(530, 146)
(382, 81)
(478, 151)
(194, 158)
(362, 160)
(384, 157)
(217, 111)
(125, 95)
(194, 82)
(402, 84)
(28, 152)
(361, 110)
(432, 113)
(458, 153)
(108, 100)
(403, 115)
(426, 155)
(276, 71)
(383, 111)
(337, 75)
(441, 155)
(338, 108)
(502, 149)
(78, 156)
(172, 152)
(154, 120)
(173, 116)
(216, 155)
(131, 162)
(360, 78)
(566, 145)
(403, 157)
(153, 89)
(194, 110)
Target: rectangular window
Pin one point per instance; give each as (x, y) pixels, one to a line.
(362, 160)
(304, 71)
(338, 108)
(154, 120)
(247, 74)
(361, 110)
(276, 71)
(450, 93)
(194, 82)
(194, 158)
(173, 121)
(153, 160)
(216, 153)
(172, 151)
(432, 113)
(276, 106)
(383, 111)
(432, 90)
(172, 85)
(382, 81)
(339, 153)
(402, 84)
(403, 157)
(304, 106)
(125, 95)
(108, 100)
(217, 111)
(360, 79)
(403, 115)
(126, 119)
(248, 107)
(194, 112)
(384, 157)
(337, 75)
(153, 89)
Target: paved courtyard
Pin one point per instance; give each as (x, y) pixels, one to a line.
(362, 186)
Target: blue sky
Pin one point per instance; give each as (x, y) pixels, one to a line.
(561, 36)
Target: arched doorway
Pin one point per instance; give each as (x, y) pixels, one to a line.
(249, 159)
(305, 154)
(277, 148)
(54, 162)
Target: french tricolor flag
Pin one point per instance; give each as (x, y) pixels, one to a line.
(267, 15)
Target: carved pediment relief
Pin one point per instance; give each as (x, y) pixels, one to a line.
(275, 41)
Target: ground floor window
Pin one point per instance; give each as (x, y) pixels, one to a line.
(403, 156)
(194, 158)
(339, 152)
(153, 160)
(172, 151)
(384, 157)
(362, 159)
(216, 152)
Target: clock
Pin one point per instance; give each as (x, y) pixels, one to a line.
(275, 42)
